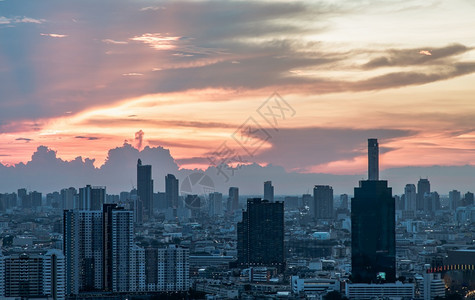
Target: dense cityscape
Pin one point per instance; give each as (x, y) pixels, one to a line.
(140, 244)
(238, 149)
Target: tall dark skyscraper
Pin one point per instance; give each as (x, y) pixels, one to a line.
(233, 199)
(373, 159)
(323, 199)
(373, 234)
(145, 187)
(423, 188)
(268, 191)
(171, 191)
(261, 234)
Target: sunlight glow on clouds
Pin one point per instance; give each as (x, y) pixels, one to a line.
(425, 52)
(157, 41)
(54, 35)
(110, 41)
(187, 74)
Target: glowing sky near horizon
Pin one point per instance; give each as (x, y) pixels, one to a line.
(83, 77)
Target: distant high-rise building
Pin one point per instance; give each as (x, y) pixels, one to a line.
(454, 199)
(171, 191)
(468, 199)
(33, 275)
(145, 188)
(21, 194)
(323, 199)
(36, 199)
(435, 201)
(373, 159)
(68, 198)
(124, 197)
(268, 191)
(233, 199)
(423, 187)
(215, 204)
(53, 199)
(7, 201)
(344, 201)
(160, 200)
(26, 201)
(91, 198)
(373, 234)
(410, 197)
(261, 234)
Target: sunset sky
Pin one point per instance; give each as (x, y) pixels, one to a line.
(82, 77)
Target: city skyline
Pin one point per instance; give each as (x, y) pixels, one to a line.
(83, 91)
(240, 149)
(46, 172)
(377, 246)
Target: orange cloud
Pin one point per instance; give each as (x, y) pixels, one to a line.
(425, 52)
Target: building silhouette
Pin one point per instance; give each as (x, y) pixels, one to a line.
(268, 191)
(454, 199)
(91, 198)
(373, 249)
(68, 197)
(468, 199)
(145, 188)
(323, 202)
(344, 202)
(261, 235)
(431, 202)
(423, 188)
(373, 159)
(171, 191)
(233, 199)
(36, 199)
(410, 197)
(215, 207)
(21, 194)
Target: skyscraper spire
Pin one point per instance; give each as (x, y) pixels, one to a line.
(373, 159)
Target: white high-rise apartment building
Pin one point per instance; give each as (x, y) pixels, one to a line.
(173, 269)
(33, 275)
